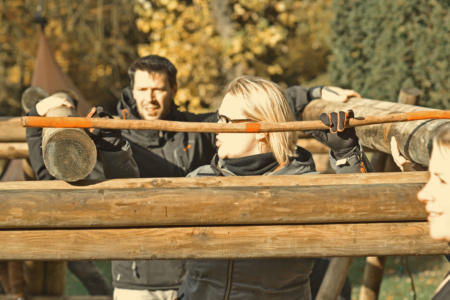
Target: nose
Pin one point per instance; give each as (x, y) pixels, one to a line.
(425, 195)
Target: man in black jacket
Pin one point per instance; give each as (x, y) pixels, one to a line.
(150, 96)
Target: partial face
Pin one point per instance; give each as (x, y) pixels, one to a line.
(436, 194)
(235, 145)
(153, 94)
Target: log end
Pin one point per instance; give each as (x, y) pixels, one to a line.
(69, 154)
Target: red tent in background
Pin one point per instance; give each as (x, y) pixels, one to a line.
(49, 76)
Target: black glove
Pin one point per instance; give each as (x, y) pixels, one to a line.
(104, 139)
(343, 142)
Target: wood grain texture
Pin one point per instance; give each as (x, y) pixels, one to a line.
(14, 150)
(192, 182)
(239, 242)
(210, 206)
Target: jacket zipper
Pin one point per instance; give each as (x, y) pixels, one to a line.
(230, 273)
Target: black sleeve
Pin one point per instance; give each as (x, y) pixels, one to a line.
(298, 97)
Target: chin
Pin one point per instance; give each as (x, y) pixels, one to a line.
(440, 234)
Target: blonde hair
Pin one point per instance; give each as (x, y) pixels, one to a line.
(442, 138)
(265, 101)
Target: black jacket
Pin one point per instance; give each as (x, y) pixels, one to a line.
(171, 154)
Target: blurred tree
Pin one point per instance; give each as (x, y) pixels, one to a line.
(380, 46)
(213, 41)
(93, 41)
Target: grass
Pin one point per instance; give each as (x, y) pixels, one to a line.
(427, 272)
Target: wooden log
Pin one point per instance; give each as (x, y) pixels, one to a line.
(34, 274)
(64, 122)
(414, 138)
(217, 242)
(11, 130)
(373, 274)
(55, 277)
(31, 96)
(13, 150)
(28, 172)
(334, 279)
(409, 95)
(250, 181)
(210, 206)
(69, 154)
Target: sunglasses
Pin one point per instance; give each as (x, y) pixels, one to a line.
(225, 119)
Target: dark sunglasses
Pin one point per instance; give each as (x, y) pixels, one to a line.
(225, 119)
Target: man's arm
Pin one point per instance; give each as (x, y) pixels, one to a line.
(298, 97)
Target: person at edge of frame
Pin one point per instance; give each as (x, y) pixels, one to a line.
(150, 95)
(244, 155)
(435, 194)
(86, 271)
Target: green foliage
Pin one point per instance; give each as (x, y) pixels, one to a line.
(380, 46)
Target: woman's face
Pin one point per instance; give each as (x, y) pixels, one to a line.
(436, 194)
(235, 145)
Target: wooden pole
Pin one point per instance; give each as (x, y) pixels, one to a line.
(334, 279)
(3, 297)
(373, 274)
(222, 242)
(210, 206)
(414, 138)
(64, 122)
(409, 95)
(13, 150)
(11, 130)
(69, 154)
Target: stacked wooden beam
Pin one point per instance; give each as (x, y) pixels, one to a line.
(217, 218)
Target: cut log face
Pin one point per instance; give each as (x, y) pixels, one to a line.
(69, 154)
(414, 138)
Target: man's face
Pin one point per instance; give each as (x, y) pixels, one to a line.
(153, 94)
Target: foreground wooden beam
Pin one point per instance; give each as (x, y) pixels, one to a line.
(239, 242)
(13, 150)
(210, 206)
(414, 138)
(192, 182)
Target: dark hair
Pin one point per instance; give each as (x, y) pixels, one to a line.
(154, 63)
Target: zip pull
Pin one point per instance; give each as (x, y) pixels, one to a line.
(134, 267)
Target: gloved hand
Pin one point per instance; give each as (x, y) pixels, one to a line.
(341, 141)
(104, 139)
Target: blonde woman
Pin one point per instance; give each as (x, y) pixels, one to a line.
(252, 99)
(435, 193)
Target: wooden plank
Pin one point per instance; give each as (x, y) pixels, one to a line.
(373, 275)
(235, 181)
(13, 150)
(210, 206)
(239, 242)
(414, 138)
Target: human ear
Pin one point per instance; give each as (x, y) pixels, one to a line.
(260, 137)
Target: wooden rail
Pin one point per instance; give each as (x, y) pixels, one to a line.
(3, 297)
(216, 218)
(222, 242)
